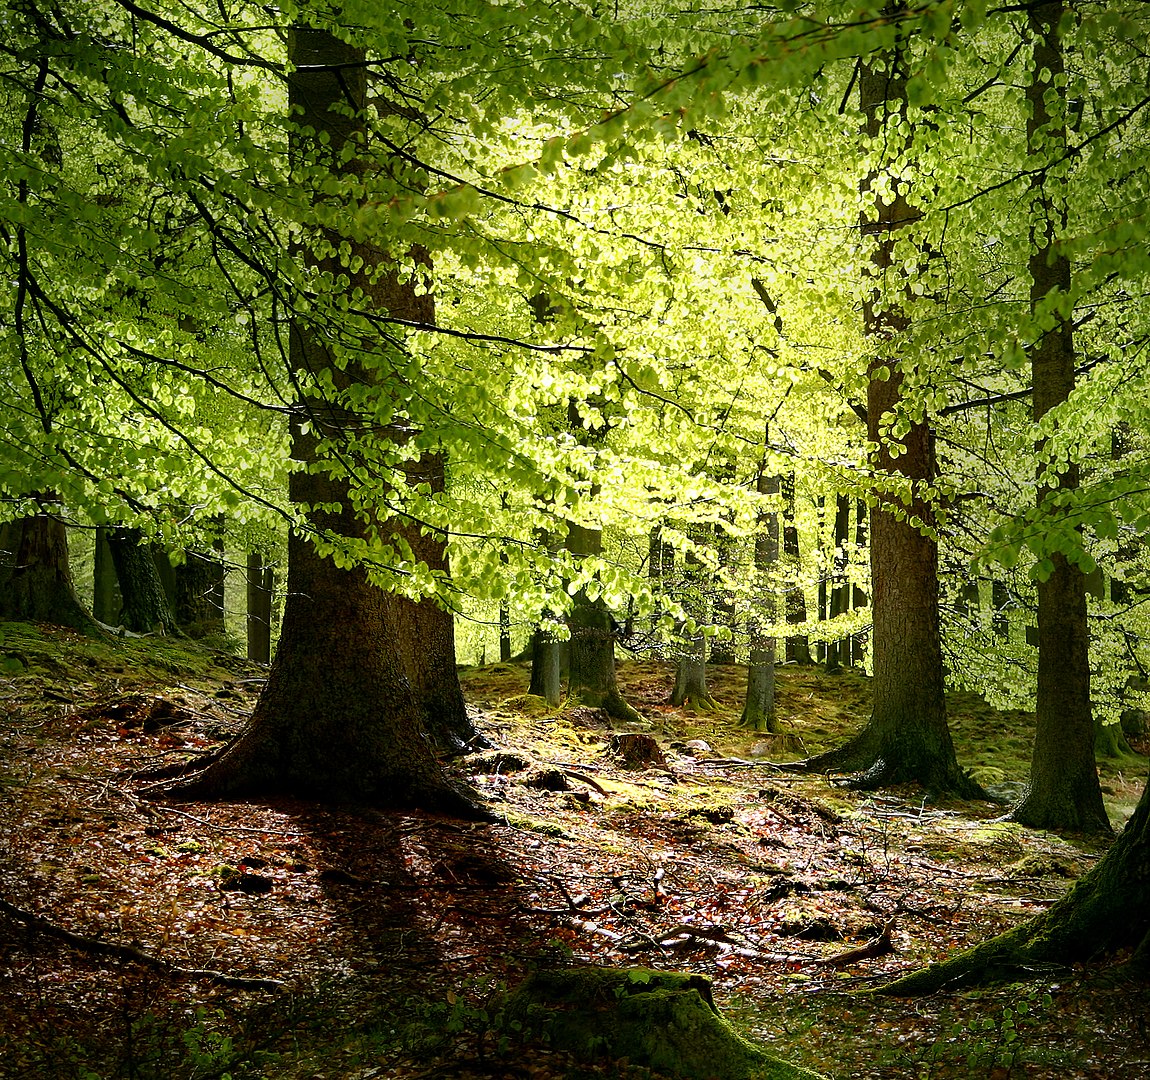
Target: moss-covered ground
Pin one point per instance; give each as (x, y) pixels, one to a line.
(284, 939)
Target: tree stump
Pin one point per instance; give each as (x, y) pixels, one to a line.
(637, 751)
(664, 1021)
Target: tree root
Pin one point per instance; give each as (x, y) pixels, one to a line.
(99, 947)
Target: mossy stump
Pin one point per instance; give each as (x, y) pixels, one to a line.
(664, 1021)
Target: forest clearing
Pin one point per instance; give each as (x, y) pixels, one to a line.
(283, 938)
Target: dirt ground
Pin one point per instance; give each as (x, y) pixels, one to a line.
(284, 939)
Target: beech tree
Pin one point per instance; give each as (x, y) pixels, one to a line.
(907, 736)
(360, 706)
(1064, 790)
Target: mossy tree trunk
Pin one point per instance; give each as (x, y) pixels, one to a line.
(1064, 792)
(199, 606)
(1107, 911)
(337, 719)
(38, 586)
(907, 737)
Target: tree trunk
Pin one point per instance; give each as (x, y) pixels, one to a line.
(106, 599)
(39, 585)
(199, 607)
(759, 703)
(592, 676)
(261, 584)
(1106, 911)
(423, 632)
(144, 607)
(1064, 792)
(690, 687)
(838, 650)
(546, 667)
(797, 650)
(907, 737)
(337, 719)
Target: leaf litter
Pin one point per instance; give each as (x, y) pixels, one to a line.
(286, 939)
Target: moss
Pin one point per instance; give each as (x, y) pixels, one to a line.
(665, 1021)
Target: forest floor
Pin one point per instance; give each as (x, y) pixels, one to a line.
(188, 941)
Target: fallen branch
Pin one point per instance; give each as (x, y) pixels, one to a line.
(879, 945)
(131, 953)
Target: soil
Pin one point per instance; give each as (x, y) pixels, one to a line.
(286, 939)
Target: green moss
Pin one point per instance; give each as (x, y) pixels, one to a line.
(665, 1021)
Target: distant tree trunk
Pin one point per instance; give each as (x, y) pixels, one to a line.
(145, 607)
(797, 648)
(106, 599)
(592, 676)
(759, 704)
(839, 648)
(199, 607)
(859, 597)
(546, 667)
(337, 718)
(260, 581)
(907, 737)
(39, 585)
(1064, 792)
(504, 632)
(690, 687)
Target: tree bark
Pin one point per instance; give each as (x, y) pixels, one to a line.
(907, 737)
(1064, 792)
(759, 704)
(838, 650)
(39, 586)
(144, 608)
(337, 719)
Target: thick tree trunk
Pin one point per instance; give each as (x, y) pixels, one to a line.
(1106, 911)
(38, 585)
(1064, 792)
(337, 719)
(907, 737)
(144, 607)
